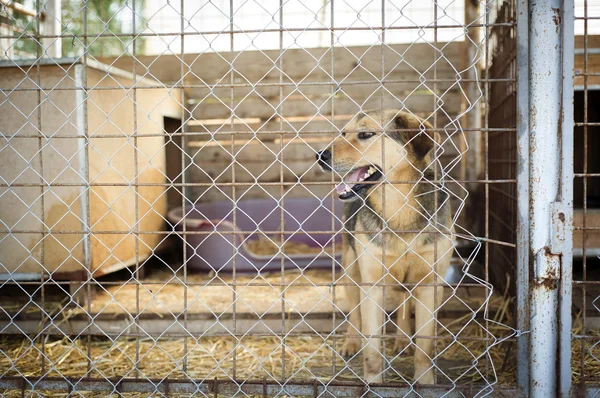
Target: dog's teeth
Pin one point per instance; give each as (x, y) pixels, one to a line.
(371, 170)
(366, 176)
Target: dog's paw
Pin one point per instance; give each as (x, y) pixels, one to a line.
(402, 345)
(373, 369)
(350, 347)
(426, 378)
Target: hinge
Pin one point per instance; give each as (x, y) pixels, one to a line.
(561, 221)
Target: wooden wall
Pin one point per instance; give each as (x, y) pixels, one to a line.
(321, 90)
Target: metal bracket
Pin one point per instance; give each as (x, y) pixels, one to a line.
(561, 219)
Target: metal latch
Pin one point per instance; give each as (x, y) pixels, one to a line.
(562, 221)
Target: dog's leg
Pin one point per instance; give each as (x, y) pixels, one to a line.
(403, 318)
(424, 326)
(353, 341)
(373, 314)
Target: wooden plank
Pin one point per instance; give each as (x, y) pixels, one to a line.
(264, 162)
(593, 67)
(593, 60)
(396, 82)
(314, 63)
(592, 236)
(257, 306)
(351, 99)
(316, 124)
(112, 161)
(296, 165)
(593, 41)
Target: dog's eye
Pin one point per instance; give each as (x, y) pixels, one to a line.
(363, 135)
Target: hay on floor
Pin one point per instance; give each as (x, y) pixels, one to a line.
(305, 358)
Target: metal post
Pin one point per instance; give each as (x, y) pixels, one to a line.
(566, 197)
(548, 215)
(51, 26)
(523, 196)
(474, 59)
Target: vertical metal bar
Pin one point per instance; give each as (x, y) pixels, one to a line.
(486, 167)
(83, 158)
(88, 210)
(585, 187)
(473, 158)
(44, 277)
(184, 194)
(385, 271)
(566, 197)
(51, 27)
(522, 77)
(233, 192)
(437, 163)
(545, 100)
(334, 89)
(585, 190)
(137, 194)
(281, 191)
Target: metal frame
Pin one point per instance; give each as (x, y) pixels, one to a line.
(584, 341)
(550, 176)
(544, 183)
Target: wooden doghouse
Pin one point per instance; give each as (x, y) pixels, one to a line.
(55, 187)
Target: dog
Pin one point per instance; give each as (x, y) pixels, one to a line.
(397, 231)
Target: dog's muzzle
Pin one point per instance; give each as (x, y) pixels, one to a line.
(324, 159)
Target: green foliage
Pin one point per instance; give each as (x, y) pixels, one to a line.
(23, 28)
(109, 27)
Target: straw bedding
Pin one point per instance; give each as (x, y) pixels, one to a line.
(270, 245)
(305, 358)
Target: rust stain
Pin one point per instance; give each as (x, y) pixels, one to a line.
(556, 18)
(549, 281)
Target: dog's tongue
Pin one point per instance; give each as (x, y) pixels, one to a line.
(351, 179)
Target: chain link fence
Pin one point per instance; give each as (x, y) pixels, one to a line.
(586, 292)
(206, 198)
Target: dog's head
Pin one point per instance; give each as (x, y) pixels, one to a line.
(377, 143)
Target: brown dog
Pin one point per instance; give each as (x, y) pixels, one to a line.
(392, 207)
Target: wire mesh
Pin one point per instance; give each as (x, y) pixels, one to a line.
(586, 293)
(166, 228)
(503, 164)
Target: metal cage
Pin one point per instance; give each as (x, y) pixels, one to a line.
(165, 229)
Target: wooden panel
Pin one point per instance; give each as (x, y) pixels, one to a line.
(305, 108)
(592, 236)
(350, 101)
(112, 160)
(20, 162)
(593, 62)
(358, 62)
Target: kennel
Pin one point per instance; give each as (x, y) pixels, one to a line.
(80, 144)
(200, 123)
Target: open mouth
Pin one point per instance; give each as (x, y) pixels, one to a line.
(353, 183)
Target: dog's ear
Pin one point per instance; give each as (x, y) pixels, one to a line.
(422, 139)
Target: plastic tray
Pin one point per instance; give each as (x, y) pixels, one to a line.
(215, 250)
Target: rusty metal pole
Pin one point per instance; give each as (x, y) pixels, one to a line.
(566, 197)
(523, 196)
(549, 215)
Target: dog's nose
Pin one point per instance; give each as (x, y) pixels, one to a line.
(324, 156)
(324, 159)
